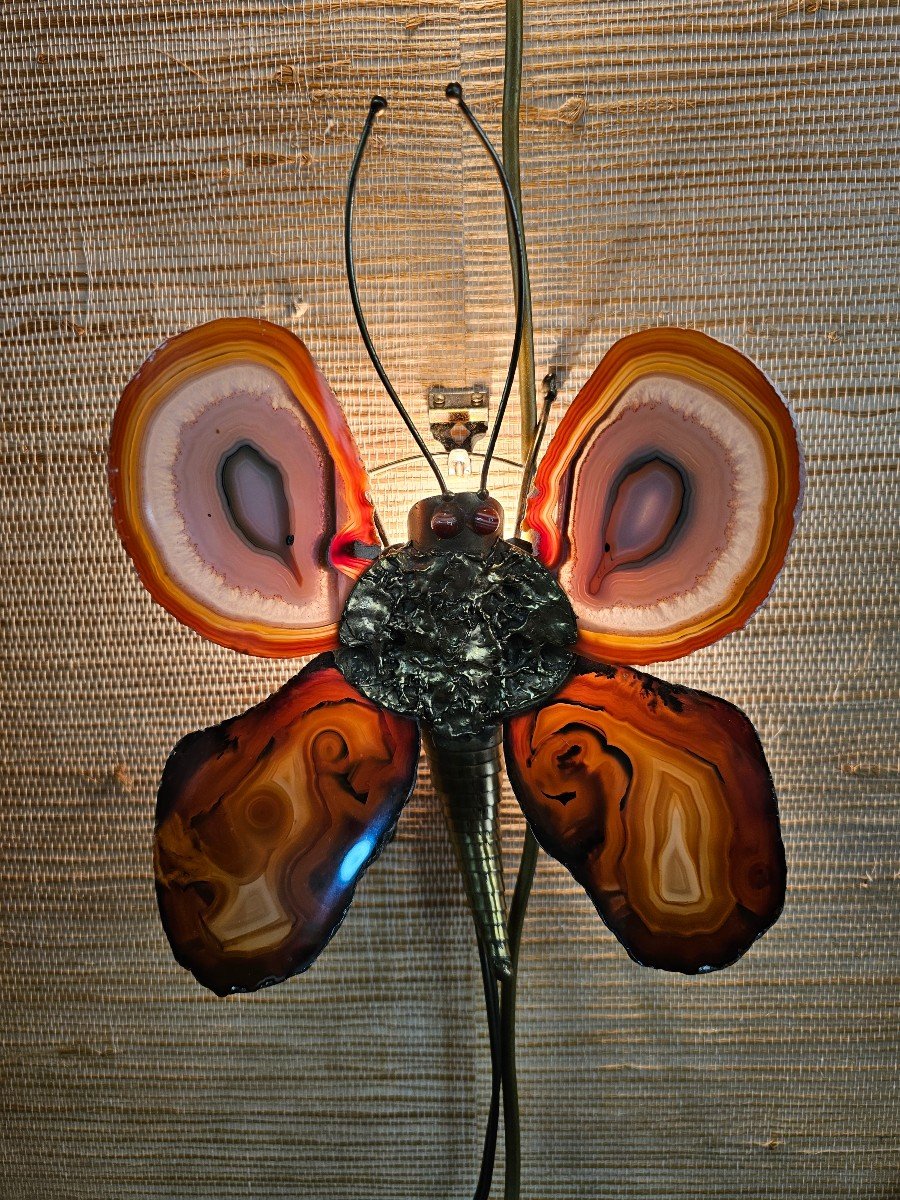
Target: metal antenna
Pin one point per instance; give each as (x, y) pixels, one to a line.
(455, 92)
(378, 104)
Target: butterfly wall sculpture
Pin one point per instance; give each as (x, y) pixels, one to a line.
(660, 516)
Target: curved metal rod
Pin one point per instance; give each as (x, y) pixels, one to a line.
(524, 879)
(379, 528)
(511, 1133)
(550, 393)
(378, 104)
(373, 472)
(455, 92)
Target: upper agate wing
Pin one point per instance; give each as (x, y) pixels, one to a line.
(237, 488)
(667, 497)
(659, 801)
(265, 823)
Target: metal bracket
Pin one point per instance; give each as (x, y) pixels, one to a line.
(458, 416)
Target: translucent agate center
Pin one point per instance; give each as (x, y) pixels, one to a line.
(670, 508)
(667, 496)
(646, 508)
(236, 487)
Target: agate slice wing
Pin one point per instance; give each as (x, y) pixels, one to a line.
(237, 488)
(266, 822)
(659, 801)
(667, 497)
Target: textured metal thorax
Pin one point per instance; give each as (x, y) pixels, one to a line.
(460, 629)
(457, 628)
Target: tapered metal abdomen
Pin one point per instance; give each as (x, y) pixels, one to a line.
(465, 772)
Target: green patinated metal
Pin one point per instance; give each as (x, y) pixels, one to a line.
(458, 640)
(461, 638)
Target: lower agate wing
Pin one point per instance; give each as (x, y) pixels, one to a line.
(266, 822)
(659, 801)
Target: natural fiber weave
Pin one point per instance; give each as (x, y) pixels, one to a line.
(730, 166)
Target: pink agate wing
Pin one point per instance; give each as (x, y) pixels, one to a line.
(237, 488)
(667, 497)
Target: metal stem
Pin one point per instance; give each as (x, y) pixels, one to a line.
(511, 1131)
(516, 921)
(512, 88)
(531, 435)
(492, 1008)
(378, 104)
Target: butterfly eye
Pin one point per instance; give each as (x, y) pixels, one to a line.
(445, 523)
(486, 520)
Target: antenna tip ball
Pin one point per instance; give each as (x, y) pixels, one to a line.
(454, 91)
(379, 104)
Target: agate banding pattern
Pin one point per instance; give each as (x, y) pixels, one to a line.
(235, 481)
(266, 823)
(667, 498)
(659, 801)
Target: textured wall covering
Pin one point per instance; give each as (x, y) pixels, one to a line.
(726, 165)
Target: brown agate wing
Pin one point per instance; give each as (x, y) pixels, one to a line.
(265, 823)
(667, 497)
(659, 801)
(237, 488)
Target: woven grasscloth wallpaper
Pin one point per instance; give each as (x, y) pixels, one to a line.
(731, 166)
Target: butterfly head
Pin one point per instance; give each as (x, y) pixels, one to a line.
(464, 522)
